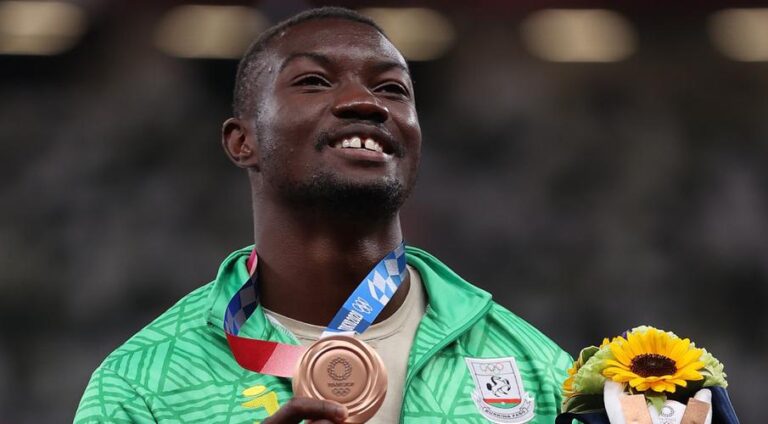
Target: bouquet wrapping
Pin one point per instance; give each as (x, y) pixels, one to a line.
(646, 376)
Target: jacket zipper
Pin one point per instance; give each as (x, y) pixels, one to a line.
(431, 352)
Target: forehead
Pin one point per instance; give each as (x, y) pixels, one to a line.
(339, 39)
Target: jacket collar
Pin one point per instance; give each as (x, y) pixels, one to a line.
(453, 302)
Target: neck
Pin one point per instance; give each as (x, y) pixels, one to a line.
(310, 263)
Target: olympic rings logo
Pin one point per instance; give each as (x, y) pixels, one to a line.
(492, 368)
(339, 369)
(362, 306)
(340, 391)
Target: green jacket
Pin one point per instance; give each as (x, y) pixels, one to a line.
(179, 368)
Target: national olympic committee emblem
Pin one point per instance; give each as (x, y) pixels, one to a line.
(499, 394)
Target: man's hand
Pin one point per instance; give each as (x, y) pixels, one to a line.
(313, 410)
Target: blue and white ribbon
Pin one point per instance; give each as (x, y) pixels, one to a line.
(372, 295)
(355, 316)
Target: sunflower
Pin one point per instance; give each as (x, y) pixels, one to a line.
(652, 359)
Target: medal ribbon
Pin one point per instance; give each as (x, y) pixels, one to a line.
(356, 314)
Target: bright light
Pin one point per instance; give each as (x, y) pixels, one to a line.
(39, 27)
(216, 32)
(578, 35)
(741, 34)
(419, 34)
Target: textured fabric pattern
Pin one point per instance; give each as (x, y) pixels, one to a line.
(445, 385)
(179, 369)
(174, 371)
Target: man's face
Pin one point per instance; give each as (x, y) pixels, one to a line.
(336, 115)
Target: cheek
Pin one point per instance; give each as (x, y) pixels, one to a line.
(407, 122)
(282, 126)
(297, 122)
(409, 126)
(288, 134)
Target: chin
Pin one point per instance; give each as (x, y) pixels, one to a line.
(375, 198)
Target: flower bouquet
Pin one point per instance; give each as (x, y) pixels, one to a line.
(646, 376)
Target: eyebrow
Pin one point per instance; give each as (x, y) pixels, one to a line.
(387, 65)
(316, 57)
(326, 61)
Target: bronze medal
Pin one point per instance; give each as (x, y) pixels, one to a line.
(346, 370)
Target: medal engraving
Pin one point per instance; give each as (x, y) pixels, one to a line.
(345, 370)
(338, 375)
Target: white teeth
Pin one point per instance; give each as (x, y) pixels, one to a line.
(357, 143)
(370, 144)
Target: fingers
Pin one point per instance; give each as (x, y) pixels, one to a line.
(302, 408)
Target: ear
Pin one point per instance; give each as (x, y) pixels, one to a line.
(239, 143)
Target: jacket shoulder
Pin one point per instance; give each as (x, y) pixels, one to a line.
(172, 352)
(517, 330)
(188, 315)
(501, 333)
(124, 387)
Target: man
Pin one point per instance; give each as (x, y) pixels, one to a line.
(325, 125)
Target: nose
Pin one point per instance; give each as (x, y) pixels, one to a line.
(356, 102)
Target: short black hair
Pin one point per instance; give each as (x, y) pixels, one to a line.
(251, 64)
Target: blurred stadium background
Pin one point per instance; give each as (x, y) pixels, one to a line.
(596, 165)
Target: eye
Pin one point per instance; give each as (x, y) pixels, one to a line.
(393, 88)
(311, 80)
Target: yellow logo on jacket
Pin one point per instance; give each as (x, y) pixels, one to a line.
(262, 399)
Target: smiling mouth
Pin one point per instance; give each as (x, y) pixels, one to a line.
(359, 143)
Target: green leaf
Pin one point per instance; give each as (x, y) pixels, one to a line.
(589, 378)
(713, 371)
(657, 400)
(587, 353)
